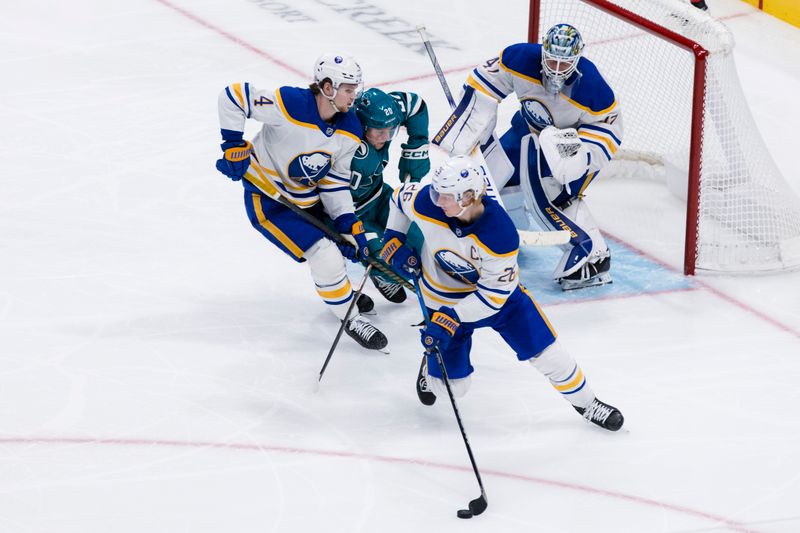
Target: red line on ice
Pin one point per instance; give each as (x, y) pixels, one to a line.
(731, 524)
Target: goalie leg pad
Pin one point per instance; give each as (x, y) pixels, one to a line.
(330, 277)
(587, 263)
(557, 365)
(500, 166)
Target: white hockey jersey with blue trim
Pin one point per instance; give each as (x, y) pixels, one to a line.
(472, 268)
(305, 158)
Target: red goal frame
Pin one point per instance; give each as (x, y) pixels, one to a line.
(698, 105)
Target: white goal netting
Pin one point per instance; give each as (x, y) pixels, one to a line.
(748, 218)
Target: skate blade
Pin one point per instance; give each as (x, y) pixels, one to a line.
(571, 285)
(385, 350)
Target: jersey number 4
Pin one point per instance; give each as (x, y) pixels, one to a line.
(263, 100)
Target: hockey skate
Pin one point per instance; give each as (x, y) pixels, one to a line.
(589, 275)
(604, 415)
(424, 392)
(391, 291)
(365, 334)
(365, 305)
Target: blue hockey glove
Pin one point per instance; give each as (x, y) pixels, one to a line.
(414, 161)
(397, 254)
(236, 159)
(348, 223)
(440, 330)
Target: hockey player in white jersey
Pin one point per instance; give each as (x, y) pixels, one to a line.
(568, 127)
(468, 276)
(303, 152)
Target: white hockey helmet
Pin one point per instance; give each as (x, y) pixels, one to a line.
(339, 69)
(456, 176)
(562, 47)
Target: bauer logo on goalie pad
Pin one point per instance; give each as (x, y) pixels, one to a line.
(536, 114)
(309, 168)
(457, 267)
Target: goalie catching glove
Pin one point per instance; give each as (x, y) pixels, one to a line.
(565, 153)
(472, 122)
(236, 158)
(348, 223)
(438, 333)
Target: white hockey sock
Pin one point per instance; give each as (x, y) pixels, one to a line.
(564, 374)
(330, 277)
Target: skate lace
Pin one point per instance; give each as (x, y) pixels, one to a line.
(597, 411)
(388, 287)
(362, 328)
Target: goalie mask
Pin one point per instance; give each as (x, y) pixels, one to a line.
(455, 177)
(378, 111)
(561, 51)
(339, 69)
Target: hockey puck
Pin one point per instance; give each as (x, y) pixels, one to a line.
(464, 513)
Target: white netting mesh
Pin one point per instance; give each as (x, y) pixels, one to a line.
(749, 219)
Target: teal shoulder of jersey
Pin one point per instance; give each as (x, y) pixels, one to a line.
(301, 106)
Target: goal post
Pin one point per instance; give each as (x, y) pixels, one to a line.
(671, 68)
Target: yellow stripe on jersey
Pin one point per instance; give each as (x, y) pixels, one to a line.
(428, 294)
(237, 90)
(307, 124)
(445, 288)
(273, 229)
(518, 74)
(612, 146)
(496, 299)
(570, 100)
(472, 82)
(257, 175)
(488, 250)
(428, 219)
(539, 309)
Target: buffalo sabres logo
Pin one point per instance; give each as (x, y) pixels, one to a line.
(309, 168)
(536, 115)
(457, 267)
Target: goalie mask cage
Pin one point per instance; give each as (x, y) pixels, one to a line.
(672, 70)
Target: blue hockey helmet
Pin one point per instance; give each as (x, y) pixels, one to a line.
(561, 50)
(376, 109)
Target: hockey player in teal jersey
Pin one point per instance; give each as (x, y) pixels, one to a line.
(568, 127)
(381, 115)
(469, 278)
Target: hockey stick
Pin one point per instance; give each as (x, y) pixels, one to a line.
(530, 238)
(267, 188)
(356, 296)
(479, 504)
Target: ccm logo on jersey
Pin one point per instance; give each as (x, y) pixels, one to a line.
(309, 168)
(457, 267)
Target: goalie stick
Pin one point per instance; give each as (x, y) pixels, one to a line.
(529, 238)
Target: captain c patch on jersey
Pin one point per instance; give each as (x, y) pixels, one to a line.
(309, 168)
(457, 267)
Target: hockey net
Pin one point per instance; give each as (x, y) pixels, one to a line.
(671, 67)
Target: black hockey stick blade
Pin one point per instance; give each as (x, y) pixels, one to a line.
(478, 505)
